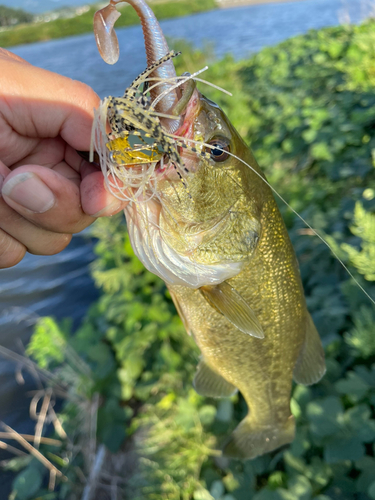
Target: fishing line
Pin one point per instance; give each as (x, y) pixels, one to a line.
(184, 79)
(147, 176)
(166, 92)
(210, 146)
(214, 86)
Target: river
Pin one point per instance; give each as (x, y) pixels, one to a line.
(61, 285)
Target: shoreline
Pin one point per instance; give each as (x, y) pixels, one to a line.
(81, 24)
(229, 4)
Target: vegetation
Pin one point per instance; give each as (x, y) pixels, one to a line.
(11, 17)
(307, 107)
(60, 28)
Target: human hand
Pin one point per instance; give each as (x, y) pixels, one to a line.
(48, 192)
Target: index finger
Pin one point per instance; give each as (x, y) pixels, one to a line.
(36, 103)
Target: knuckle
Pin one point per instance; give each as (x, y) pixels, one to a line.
(11, 251)
(84, 94)
(53, 245)
(75, 225)
(85, 221)
(77, 222)
(63, 220)
(10, 260)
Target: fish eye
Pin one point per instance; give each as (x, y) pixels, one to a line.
(220, 149)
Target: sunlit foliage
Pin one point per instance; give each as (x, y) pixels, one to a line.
(307, 107)
(11, 17)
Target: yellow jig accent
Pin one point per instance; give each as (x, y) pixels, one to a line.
(122, 152)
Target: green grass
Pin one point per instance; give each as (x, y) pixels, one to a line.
(60, 28)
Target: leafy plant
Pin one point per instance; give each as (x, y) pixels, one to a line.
(364, 228)
(11, 17)
(308, 108)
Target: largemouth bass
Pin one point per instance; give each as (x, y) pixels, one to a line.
(203, 217)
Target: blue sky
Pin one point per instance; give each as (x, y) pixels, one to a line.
(37, 6)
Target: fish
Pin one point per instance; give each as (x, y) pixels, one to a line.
(202, 216)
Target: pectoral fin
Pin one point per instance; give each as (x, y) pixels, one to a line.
(210, 384)
(310, 366)
(229, 302)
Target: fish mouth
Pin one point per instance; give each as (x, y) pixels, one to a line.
(186, 129)
(165, 167)
(133, 164)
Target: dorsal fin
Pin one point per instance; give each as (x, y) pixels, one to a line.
(229, 302)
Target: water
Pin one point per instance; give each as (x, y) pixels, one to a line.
(60, 285)
(239, 31)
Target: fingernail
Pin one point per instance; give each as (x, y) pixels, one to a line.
(114, 207)
(30, 192)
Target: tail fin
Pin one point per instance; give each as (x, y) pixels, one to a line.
(250, 439)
